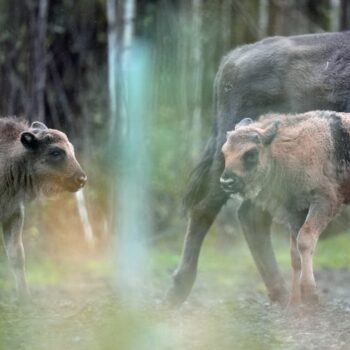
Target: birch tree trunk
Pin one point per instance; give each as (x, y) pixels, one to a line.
(113, 60)
(344, 18)
(197, 62)
(183, 49)
(128, 31)
(39, 23)
(263, 18)
(335, 15)
(119, 44)
(226, 23)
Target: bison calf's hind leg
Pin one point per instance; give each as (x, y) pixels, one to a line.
(295, 296)
(12, 229)
(320, 214)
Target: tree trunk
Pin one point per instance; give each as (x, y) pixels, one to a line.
(226, 22)
(335, 15)
(263, 18)
(197, 62)
(344, 20)
(39, 23)
(113, 60)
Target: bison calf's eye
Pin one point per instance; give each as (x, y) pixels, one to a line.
(250, 158)
(57, 154)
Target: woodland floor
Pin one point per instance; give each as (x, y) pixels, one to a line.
(91, 316)
(89, 313)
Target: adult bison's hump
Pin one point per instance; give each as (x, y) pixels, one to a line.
(284, 74)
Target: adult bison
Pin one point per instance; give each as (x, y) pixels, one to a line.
(297, 167)
(33, 160)
(279, 74)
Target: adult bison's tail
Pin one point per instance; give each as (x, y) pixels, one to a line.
(198, 182)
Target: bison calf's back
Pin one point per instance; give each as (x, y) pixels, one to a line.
(33, 160)
(298, 168)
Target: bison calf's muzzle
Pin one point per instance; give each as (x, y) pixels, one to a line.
(230, 182)
(77, 181)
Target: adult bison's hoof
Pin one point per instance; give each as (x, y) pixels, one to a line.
(175, 297)
(183, 279)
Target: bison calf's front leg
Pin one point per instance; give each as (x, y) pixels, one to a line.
(12, 229)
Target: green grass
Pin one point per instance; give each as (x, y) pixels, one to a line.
(332, 252)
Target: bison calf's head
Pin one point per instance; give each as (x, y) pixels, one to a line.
(246, 153)
(51, 159)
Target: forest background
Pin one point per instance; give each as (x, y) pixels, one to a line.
(130, 82)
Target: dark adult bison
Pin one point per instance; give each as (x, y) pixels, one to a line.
(297, 167)
(33, 160)
(280, 74)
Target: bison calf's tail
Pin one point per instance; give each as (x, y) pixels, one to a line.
(198, 182)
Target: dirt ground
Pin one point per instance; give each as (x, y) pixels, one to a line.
(93, 315)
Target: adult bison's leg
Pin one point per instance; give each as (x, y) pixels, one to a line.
(12, 229)
(256, 228)
(201, 217)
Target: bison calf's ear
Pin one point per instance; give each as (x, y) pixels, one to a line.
(29, 140)
(244, 122)
(39, 125)
(270, 132)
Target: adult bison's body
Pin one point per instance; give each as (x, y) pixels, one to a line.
(297, 167)
(279, 74)
(33, 160)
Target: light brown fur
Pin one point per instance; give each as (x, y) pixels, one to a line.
(33, 160)
(297, 177)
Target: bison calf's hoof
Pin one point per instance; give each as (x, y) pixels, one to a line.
(309, 296)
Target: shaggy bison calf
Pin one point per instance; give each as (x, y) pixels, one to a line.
(298, 169)
(33, 160)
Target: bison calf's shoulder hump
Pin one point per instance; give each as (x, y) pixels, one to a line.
(33, 160)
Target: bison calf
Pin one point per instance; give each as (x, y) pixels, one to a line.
(298, 169)
(33, 160)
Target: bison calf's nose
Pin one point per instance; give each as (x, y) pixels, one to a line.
(230, 182)
(80, 179)
(224, 181)
(227, 178)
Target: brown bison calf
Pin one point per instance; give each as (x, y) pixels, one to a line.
(33, 160)
(298, 169)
